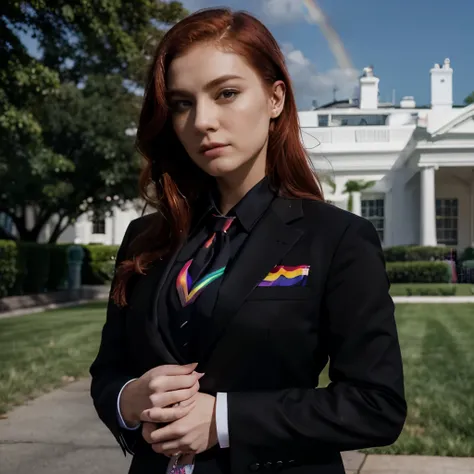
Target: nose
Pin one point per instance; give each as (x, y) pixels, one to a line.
(206, 117)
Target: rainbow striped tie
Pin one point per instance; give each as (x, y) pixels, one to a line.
(208, 265)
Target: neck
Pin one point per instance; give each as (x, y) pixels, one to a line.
(233, 188)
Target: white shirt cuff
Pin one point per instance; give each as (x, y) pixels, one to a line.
(222, 423)
(119, 414)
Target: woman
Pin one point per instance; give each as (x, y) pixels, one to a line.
(229, 301)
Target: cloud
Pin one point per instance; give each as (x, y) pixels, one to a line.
(311, 84)
(284, 11)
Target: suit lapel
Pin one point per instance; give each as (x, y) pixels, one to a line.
(157, 329)
(267, 244)
(160, 338)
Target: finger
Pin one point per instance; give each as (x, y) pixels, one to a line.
(167, 383)
(190, 401)
(147, 430)
(174, 369)
(165, 415)
(169, 447)
(170, 432)
(165, 399)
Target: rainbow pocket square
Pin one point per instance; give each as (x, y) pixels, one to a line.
(283, 275)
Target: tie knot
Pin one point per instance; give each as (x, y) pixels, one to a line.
(221, 223)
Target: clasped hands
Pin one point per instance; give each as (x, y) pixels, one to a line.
(169, 395)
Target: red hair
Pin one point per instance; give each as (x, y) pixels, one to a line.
(170, 181)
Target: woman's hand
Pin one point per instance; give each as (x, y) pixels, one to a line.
(193, 433)
(164, 393)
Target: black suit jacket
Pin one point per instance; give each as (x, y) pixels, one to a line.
(266, 347)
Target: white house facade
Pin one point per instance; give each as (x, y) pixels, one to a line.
(419, 161)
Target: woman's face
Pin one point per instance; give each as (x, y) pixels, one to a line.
(221, 111)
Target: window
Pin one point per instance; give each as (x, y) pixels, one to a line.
(447, 221)
(98, 224)
(357, 120)
(374, 211)
(323, 120)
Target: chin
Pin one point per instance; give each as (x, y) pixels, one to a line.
(220, 167)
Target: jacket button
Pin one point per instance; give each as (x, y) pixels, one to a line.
(268, 465)
(279, 465)
(254, 467)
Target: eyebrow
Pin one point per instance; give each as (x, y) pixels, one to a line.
(209, 85)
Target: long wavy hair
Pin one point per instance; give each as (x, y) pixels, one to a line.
(170, 182)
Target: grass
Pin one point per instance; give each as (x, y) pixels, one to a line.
(40, 352)
(43, 351)
(438, 354)
(462, 289)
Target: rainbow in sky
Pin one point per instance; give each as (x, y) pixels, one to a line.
(336, 45)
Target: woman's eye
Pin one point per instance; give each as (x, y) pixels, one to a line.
(228, 94)
(180, 105)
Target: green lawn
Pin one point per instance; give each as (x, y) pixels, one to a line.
(37, 352)
(438, 352)
(43, 351)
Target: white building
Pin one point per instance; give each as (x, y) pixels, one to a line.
(421, 160)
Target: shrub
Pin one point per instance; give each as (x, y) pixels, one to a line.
(419, 272)
(8, 266)
(414, 253)
(468, 254)
(33, 267)
(466, 271)
(99, 263)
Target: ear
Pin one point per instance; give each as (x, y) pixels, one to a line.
(277, 99)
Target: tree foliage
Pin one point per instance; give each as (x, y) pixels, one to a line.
(64, 112)
(355, 186)
(469, 99)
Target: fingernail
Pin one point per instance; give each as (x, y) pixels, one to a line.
(200, 374)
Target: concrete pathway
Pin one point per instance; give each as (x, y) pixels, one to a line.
(59, 433)
(433, 299)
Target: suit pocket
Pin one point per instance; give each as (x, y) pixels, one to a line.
(281, 293)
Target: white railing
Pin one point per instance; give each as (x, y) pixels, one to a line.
(355, 135)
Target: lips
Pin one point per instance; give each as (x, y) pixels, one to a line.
(211, 146)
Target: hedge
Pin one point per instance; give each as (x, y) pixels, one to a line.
(8, 266)
(417, 253)
(419, 272)
(468, 254)
(99, 264)
(412, 253)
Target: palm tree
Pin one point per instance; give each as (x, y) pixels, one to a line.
(355, 186)
(326, 179)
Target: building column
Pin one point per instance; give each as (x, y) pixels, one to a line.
(428, 207)
(356, 203)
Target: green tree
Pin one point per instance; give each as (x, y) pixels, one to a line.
(469, 99)
(64, 114)
(355, 186)
(329, 180)
(87, 128)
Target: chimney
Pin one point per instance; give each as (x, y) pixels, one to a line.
(368, 89)
(442, 86)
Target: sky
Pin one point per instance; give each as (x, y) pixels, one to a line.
(401, 39)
